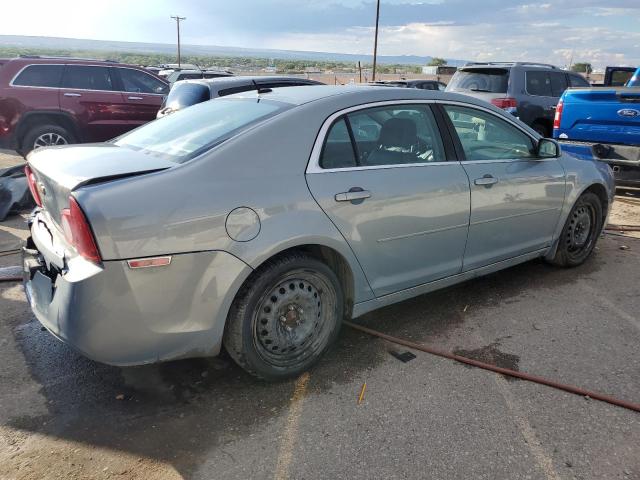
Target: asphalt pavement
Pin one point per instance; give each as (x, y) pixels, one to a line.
(63, 416)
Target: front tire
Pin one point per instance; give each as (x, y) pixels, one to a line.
(580, 232)
(284, 317)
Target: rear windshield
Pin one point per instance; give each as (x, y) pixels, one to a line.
(184, 95)
(188, 133)
(635, 80)
(491, 80)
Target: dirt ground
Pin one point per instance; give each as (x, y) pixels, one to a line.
(65, 417)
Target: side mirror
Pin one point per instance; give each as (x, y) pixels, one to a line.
(548, 148)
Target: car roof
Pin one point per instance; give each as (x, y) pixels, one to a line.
(357, 94)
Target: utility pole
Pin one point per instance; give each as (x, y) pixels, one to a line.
(178, 19)
(375, 42)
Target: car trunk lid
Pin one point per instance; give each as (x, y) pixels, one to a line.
(61, 170)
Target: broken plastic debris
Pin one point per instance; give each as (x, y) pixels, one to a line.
(404, 356)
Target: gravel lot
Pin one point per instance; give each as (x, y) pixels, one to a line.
(62, 416)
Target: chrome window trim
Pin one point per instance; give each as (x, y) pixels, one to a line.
(313, 166)
(80, 89)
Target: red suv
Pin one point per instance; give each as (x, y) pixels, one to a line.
(54, 101)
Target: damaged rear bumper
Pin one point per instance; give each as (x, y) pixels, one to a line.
(119, 316)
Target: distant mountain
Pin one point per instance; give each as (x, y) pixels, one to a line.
(206, 50)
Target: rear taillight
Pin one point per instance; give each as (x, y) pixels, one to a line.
(33, 185)
(558, 116)
(506, 102)
(78, 232)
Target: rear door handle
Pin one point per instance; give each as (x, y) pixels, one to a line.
(136, 98)
(352, 195)
(68, 94)
(487, 180)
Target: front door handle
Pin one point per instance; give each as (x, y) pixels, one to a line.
(136, 98)
(68, 94)
(354, 194)
(487, 180)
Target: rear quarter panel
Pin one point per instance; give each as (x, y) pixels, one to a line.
(184, 209)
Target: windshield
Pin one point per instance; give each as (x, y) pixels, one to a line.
(188, 133)
(492, 80)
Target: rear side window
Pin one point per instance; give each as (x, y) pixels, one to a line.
(558, 83)
(338, 149)
(135, 81)
(87, 78)
(577, 81)
(539, 84)
(492, 80)
(40, 76)
(619, 78)
(394, 135)
(187, 94)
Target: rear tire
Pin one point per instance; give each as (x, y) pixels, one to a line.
(44, 136)
(284, 317)
(580, 232)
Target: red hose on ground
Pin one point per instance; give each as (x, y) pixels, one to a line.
(11, 279)
(493, 368)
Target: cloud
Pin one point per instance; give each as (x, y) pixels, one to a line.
(600, 31)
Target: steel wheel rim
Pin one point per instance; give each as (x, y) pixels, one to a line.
(580, 232)
(294, 318)
(48, 140)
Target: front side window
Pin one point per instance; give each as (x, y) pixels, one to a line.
(188, 133)
(135, 81)
(40, 76)
(484, 136)
(538, 84)
(87, 78)
(390, 135)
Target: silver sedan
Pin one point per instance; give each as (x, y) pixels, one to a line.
(260, 221)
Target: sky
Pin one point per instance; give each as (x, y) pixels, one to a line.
(602, 32)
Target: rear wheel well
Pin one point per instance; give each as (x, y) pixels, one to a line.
(336, 262)
(601, 193)
(36, 119)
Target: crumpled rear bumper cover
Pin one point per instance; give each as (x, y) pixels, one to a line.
(124, 317)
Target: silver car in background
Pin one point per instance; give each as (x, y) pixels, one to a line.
(260, 221)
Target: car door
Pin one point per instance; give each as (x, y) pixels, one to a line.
(89, 95)
(392, 186)
(143, 94)
(516, 197)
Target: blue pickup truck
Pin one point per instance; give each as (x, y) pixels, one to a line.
(608, 120)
